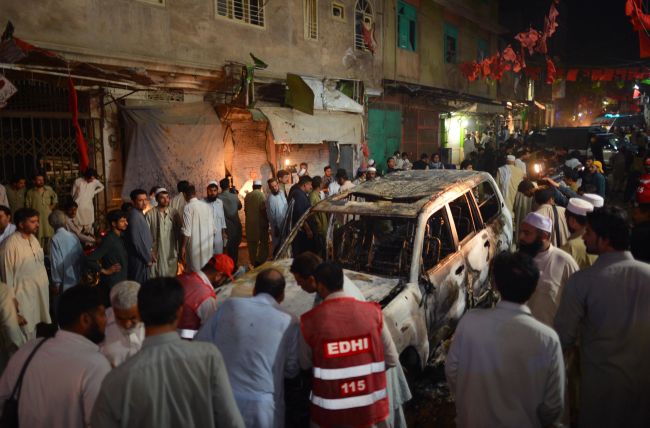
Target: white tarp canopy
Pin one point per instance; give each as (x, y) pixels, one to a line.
(291, 126)
(483, 108)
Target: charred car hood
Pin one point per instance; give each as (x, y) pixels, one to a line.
(296, 301)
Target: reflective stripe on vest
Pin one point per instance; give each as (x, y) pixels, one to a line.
(349, 402)
(187, 333)
(349, 372)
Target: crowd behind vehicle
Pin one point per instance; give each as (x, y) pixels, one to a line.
(395, 254)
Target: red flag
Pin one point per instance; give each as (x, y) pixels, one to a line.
(572, 75)
(82, 146)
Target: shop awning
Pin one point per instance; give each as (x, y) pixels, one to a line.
(291, 126)
(483, 108)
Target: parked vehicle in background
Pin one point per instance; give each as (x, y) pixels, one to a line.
(609, 121)
(419, 243)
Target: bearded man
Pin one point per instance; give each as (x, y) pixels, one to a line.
(555, 265)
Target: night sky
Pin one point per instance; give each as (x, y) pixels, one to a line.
(590, 33)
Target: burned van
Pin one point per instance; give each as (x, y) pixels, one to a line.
(419, 243)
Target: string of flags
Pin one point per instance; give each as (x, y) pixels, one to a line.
(530, 42)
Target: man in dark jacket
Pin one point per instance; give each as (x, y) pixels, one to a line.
(110, 259)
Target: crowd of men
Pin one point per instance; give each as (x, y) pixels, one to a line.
(144, 340)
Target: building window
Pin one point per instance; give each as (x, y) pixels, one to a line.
(338, 11)
(156, 2)
(451, 44)
(364, 26)
(310, 8)
(245, 11)
(482, 50)
(406, 22)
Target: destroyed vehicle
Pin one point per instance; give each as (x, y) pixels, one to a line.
(419, 243)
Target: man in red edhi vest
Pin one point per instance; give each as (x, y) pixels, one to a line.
(349, 348)
(200, 299)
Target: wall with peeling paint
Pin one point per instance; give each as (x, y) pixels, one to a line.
(188, 34)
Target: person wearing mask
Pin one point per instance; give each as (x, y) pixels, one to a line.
(257, 225)
(66, 255)
(555, 266)
(164, 225)
(43, 199)
(124, 330)
(545, 202)
(576, 219)
(6, 226)
(605, 311)
(138, 239)
(84, 190)
(276, 209)
(64, 375)
(240, 329)
(22, 267)
(200, 298)
(329, 331)
(489, 367)
(231, 207)
(170, 382)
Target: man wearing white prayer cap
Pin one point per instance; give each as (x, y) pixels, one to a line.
(576, 218)
(596, 200)
(371, 173)
(555, 265)
(508, 178)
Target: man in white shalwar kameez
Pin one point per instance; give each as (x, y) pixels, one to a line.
(555, 265)
(178, 202)
(218, 216)
(84, 190)
(544, 198)
(64, 376)
(124, 330)
(22, 268)
(11, 335)
(164, 224)
(276, 209)
(198, 232)
(508, 178)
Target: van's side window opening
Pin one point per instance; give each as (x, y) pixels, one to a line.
(462, 214)
(438, 241)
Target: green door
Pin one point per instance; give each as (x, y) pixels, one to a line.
(384, 135)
